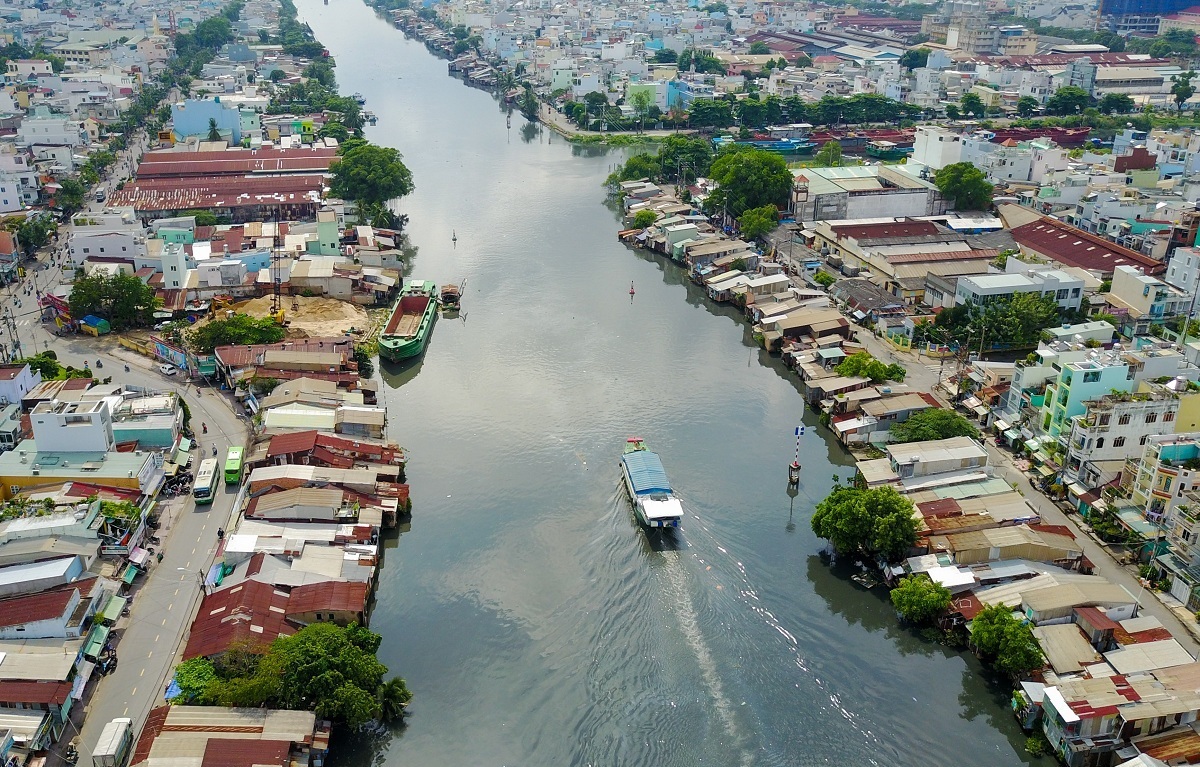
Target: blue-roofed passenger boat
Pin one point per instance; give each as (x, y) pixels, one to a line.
(648, 486)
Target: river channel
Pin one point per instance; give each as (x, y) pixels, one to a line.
(535, 623)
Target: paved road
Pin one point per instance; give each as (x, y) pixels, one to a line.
(153, 633)
(1105, 565)
(151, 637)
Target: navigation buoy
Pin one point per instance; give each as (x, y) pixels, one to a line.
(793, 473)
(453, 236)
(631, 290)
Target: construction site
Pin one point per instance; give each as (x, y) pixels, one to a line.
(309, 316)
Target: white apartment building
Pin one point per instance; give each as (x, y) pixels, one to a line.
(981, 289)
(72, 427)
(1116, 427)
(45, 127)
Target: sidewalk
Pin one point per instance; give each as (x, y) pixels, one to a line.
(1174, 616)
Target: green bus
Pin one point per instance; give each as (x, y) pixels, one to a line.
(233, 465)
(206, 481)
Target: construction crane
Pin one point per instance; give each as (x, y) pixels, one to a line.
(277, 312)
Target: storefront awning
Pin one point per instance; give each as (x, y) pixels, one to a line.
(113, 609)
(1033, 443)
(96, 640)
(139, 556)
(1012, 435)
(1002, 425)
(131, 572)
(1077, 489)
(1045, 471)
(185, 447)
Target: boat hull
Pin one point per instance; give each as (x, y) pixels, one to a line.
(667, 513)
(410, 341)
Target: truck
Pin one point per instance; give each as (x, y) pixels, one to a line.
(113, 747)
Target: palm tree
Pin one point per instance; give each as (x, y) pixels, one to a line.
(214, 134)
(393, 696)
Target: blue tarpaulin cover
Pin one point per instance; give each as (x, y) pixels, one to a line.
(646, 472)
(173, 690)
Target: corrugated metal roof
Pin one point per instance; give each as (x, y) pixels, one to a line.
(43, 606)
(41, 693)
(646, 472)
(241, 752)
(297, 442)
(342, 596)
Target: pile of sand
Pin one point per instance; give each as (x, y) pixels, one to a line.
(312, 316)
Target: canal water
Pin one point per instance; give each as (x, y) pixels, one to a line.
(535, 623)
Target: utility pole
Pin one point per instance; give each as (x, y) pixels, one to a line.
(11, 325)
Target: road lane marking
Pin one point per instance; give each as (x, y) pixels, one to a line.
(193, 551)
(170, 605)
(164, 621)
(150, 654)
(126, 711)
(133, 692)
(142, 673)
(156, 636)
(176, 592)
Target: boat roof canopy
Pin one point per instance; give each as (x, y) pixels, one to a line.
(670, 508)
(646, 472)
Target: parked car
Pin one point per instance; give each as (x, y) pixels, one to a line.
(167, 370)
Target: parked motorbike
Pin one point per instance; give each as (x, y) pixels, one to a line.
(99, 364)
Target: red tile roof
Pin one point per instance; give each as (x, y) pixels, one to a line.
(245, 356)
(336, 596)
(1075, 247)
(238, 613)
(944, 507)
(156, 720)
(34, 693)
(44, 606)
(967, 605)
(296, 442)
(9, 372)
(983, 254)
(326, 457)
(907, 228)
(168, 194)
(245, 752)
(1096, 618)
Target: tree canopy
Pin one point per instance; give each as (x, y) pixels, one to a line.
(919, 600)
(70, 195)
(238, 330)
(828, 156)
(873, 521)
(1182, 89)
(1068, 100)
(932, 423)
(758, 222)
(972, 104)
(1005, 641)
(915, 58)
(748, 178)
(1016, 321)
(323, 667)
(371, 174)
(1115, 102)
(1026, 106)
(863, 365)
(122, 299)
(644, 218)
(966, 185)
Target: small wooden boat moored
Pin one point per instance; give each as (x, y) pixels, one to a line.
(451, 297)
